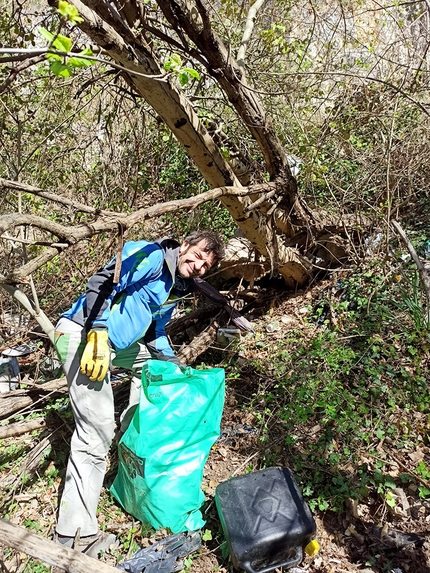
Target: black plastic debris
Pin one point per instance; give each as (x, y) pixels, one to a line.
(164, 556)
(229, 434)
(18, 350)
(216, 297)
(396, 539)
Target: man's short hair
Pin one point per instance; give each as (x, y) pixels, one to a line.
(214, 243)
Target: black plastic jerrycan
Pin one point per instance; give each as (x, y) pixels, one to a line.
(265, 520)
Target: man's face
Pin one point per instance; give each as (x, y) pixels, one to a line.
(193, 260)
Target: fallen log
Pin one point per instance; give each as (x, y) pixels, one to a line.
(21, 428)
(49, 552)
(193, 319)
(18, 400)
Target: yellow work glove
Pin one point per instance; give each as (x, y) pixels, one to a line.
(96, 356)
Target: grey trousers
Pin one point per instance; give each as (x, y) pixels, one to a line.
(93, 410)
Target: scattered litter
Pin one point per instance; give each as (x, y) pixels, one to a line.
(9, 373)
(396, 538)
(226, 336)
(273, 327)
(9, 367)
(230, 433)
(371, 243)
(162, 557)
(51, 367)
(287, 320)
(19, 350)
(295, 164)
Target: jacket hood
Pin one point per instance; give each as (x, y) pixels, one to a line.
(171, 253)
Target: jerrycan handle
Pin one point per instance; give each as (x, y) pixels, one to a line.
(289, 563)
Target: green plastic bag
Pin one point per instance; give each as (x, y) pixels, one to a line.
(164, 449)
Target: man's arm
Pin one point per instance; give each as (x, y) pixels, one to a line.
(156, 339)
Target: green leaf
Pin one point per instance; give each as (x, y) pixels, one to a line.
(69, 12)
(76, 62)
(79, 63)
(389, 500)
(183, 78)
(207, 535)
(173, 64)
(192, 73)
(44, 32)
(54, 57)
(176, 59)
(60, 69)
(62, 43)
(423, 492)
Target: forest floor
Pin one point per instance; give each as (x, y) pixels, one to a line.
(364, 535)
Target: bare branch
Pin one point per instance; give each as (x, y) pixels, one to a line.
(249, 26)
(422, 270)
(23, 51)
(106, 221)
(16, 186)
(17, 69)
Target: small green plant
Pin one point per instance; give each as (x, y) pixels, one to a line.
(128, 540)
(422, 470)
(416, 304)
(184, 74)
(207, 535)
(64, 64)
(36, 567)
(349, 387)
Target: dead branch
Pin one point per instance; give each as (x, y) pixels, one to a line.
(199, 344)
(106, 221)
(56, 198)
(190, 320)
(18, 400)
(13, 72)
(422, 270)
(21, 428)
(49, 552)
(28, 466)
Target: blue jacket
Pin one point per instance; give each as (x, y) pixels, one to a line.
(141, 304)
